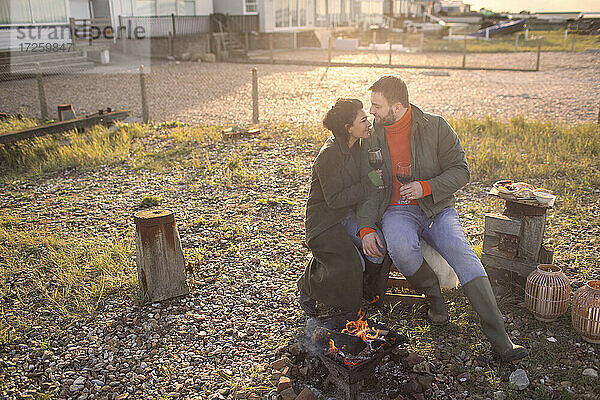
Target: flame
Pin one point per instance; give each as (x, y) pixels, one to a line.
(361, 328)
(332, 349)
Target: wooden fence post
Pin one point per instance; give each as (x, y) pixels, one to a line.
(464, 60)
(390, 60)
(170, 45)
(145, 113)
(271, 47)
(41, 93)
(159, 258)
(254, 96)
(539, 50)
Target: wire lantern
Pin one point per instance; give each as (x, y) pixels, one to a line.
(547, 292)
(585, 312)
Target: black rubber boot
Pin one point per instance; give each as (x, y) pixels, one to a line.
(308, 304)
(480, 295)
(425, 281)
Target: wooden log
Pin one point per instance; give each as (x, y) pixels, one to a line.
(532, 235)
(159, 258)
(77, 123)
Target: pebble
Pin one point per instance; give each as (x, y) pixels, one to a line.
(590, 372)
(518, 379)
(499, 395)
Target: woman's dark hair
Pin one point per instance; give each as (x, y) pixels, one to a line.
(341, 114)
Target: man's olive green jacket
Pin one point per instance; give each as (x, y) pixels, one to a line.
(436, 156)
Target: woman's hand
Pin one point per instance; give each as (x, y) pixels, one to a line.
(370, 242)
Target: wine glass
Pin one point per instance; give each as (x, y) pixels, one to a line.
(376, 160)
(404, 175)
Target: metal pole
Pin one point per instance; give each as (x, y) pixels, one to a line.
(464, 61)
(573, 44)
(537, 64)
(254, 96)
(170, 45)
(145, 114)
(566, 34)
(173, 23)
(374, 38)
(271, 47)
(247, 42)
(329, 42)
(41, 93)
(517, 42)
(421, 42)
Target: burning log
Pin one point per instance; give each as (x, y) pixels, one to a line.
(348, 343)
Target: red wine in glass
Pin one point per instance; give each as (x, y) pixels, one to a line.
(404, 175)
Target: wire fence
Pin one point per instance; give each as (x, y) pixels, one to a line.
(222, 92)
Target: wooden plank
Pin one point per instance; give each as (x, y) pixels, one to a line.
(532, 236)
(398, 282)
(546, 255)
(518, 266)
(406, 299)
(520, 201)
(501, 236)
(502, 223)
(501, 245)
(57, 127)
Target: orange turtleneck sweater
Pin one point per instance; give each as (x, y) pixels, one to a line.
(398, 137)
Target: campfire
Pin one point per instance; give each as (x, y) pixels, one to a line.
(351, 350)
(358, 342)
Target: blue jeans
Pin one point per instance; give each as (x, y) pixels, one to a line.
(403, 226)
(351, 226)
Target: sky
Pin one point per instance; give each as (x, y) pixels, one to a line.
(535, 5)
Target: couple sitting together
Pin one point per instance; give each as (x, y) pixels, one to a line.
(359, 220)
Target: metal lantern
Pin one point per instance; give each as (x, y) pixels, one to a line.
(547, 292)
(585, 312)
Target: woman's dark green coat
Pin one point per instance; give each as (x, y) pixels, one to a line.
(334, 274)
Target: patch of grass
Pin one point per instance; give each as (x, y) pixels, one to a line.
(36, 156)
(551, 41)
(559, 156)
(16, 124)
(68, 278)
(150, 201)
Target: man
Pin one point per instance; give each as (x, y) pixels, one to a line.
(423, 207)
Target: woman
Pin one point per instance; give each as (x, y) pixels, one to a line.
(334, 275)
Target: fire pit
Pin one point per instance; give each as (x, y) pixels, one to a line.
(351, 354)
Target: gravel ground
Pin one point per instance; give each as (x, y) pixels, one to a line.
(566, 89)
(219, 341)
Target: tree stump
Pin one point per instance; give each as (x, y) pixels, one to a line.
(159, 258)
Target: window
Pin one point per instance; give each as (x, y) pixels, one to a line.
(250, 7)
(186, 7)
(145, 7)
(289, 13)
(166, 7)
(33, 11)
